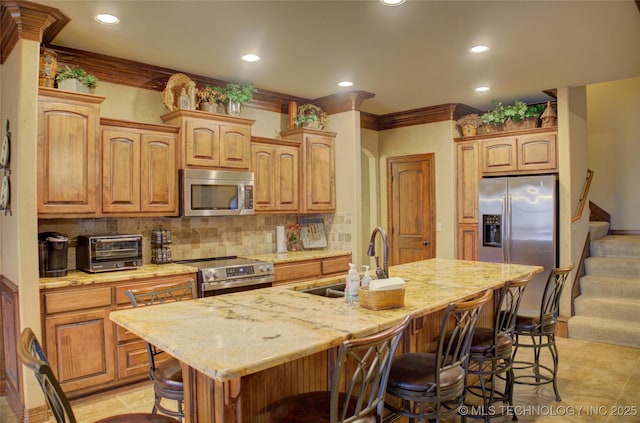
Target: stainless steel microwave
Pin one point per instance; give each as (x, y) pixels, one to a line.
(216, 192)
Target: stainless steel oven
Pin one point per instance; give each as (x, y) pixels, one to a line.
(225, 275)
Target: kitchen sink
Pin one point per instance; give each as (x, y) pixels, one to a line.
(331, 291)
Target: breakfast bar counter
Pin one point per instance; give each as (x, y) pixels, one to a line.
(260, 345)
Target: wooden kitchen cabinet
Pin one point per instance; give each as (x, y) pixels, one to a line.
(139, 169)
(275, 164)
(317, 175)
(87, 352)
(212, 141)
(510, 153)
(467, 174)
(80, 343)
(305, 270)
(519, 154)
(68, 154)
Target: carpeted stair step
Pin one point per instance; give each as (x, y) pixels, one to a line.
(615, 308)
(610, 286)
(628, 267)
(605, 330)
(598, 230)
(616, 246)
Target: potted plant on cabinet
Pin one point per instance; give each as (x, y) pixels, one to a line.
(235, 95)
(469, 124)
(310, 116)
(76, 79)
(521, 116)
(209, 98)
(493, 120)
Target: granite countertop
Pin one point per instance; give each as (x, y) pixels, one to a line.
(78, 277)
(294, 256)
(229, 336)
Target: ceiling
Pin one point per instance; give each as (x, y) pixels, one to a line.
(410, 56)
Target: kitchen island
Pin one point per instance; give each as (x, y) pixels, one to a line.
(240, 352)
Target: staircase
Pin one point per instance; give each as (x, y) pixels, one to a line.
(608, 307)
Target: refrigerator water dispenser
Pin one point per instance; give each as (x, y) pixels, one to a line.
(491, 230)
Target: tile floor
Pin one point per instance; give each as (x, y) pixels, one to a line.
(595, 380)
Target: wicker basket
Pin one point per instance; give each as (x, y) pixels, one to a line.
(380, 300)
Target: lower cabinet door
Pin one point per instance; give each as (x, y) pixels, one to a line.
(81, 348)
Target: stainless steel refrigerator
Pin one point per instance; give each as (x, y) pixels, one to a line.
(518, 218)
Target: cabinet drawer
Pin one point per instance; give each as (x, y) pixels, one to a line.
(77, 299)
(336, 265)
(300, 270)
(133, 359)
(121, 289)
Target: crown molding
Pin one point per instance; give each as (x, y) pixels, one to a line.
(431, 114)
(28, 21)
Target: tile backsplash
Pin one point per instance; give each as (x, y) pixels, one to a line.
(202, 237)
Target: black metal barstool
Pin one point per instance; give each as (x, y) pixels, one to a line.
(490, 355)
(431, 385)
(541, 329)
(31, 354)
(167, 375)
(357, 387)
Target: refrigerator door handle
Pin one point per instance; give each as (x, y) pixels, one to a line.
(504, 234)
(508, 228)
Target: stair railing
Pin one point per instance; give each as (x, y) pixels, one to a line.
(584, 196)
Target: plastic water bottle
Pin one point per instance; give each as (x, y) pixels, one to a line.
(366, 279)
(352, 284)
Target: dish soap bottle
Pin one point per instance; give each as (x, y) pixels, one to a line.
(366, 279)
(352, 284)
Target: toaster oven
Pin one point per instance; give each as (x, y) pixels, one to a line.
(105, 253)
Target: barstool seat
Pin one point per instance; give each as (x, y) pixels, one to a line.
(490, 355)
(312, 407)
(431, 385)
(30, 352)
(541, 330)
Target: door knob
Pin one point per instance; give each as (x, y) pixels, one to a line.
(425, 243)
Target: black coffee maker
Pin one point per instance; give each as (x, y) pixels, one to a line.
(52, 254)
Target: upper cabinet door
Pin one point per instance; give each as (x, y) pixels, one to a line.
(202, 143)
(235, 146)
(319, 174)
(68, 156)
(499, 155)
(120, 171)
(287, 171)
(159, 175)
(537, 152)
(263, 165)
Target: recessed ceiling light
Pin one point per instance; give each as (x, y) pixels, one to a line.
(108, 19)
(392, 2)
(478, 49)
(250, 58)
(345, 84)
(482, 89)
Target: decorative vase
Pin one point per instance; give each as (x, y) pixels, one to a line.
(469, 130)
(209, 107)
(48, 68)
(234, 108)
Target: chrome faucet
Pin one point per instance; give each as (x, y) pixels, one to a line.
(381, 273)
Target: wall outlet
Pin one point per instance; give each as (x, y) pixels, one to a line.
(438, 226)
(269, 238)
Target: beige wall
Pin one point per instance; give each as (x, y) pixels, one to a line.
(19, 237)
(614, 148)
(572, 163)
(429, 138)
(370, 189)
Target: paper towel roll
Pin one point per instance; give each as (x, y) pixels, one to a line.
(281, 243)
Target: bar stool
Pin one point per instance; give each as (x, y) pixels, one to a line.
(362, 368)
(541, 328)
(490, 355)
(167, 375)
(431, 385)
(31, 354)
